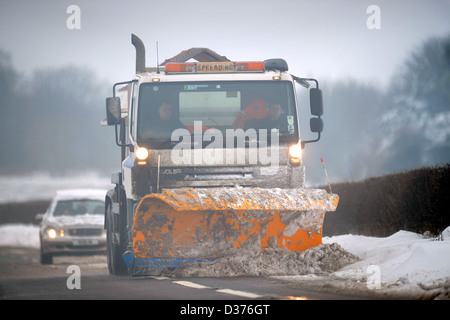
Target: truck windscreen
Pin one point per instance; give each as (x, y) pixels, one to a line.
(226, 105)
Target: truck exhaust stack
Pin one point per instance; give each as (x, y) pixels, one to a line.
(140, 53)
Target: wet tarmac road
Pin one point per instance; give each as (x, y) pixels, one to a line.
(22, 277)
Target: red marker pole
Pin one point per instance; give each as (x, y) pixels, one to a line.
(326, 174)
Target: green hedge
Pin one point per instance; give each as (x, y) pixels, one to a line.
(416, 200)
(22, 212)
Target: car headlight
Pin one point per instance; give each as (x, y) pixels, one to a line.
(51, 233)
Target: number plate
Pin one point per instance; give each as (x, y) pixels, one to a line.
(85, 242)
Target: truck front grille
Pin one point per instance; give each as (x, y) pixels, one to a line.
(218, 173)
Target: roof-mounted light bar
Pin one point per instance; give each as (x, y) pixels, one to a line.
(215, 67)
(180, 67)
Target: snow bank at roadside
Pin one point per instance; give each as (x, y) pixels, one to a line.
(404, 258)
(19, 235)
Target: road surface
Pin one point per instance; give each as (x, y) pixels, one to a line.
(86, 277)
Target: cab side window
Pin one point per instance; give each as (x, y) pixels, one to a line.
(133, 109)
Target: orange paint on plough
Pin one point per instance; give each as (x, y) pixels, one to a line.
(196, 224)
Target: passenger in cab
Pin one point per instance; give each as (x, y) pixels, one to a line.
(275, 119)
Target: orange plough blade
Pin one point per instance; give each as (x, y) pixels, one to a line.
(185, 225)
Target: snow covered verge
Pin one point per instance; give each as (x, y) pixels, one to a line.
(405, 263)
(19, 235)
(403, 258)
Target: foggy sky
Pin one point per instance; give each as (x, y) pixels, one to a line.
(327, 39)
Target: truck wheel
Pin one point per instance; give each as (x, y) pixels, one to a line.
(116, 265)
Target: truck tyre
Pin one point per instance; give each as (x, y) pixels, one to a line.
(116, 264)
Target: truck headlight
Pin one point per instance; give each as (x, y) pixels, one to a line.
(295, 151)
(295, 154)
(142, 154)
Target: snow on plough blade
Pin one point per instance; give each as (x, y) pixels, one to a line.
(179, 226)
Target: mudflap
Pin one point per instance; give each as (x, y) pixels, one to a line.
(181, 226)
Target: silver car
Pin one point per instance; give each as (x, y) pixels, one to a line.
(73, 224)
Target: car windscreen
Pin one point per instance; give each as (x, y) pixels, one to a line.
(79, 207)
(222, 106)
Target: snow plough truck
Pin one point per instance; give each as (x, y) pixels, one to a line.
(211, 162)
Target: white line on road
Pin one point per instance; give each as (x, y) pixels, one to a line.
(159, 278)
(239, 293)
(191, 284)
(243, 294)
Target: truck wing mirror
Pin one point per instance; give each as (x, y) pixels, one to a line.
(316, 105)
(316, 124)
(113, 110)
(315, 101)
